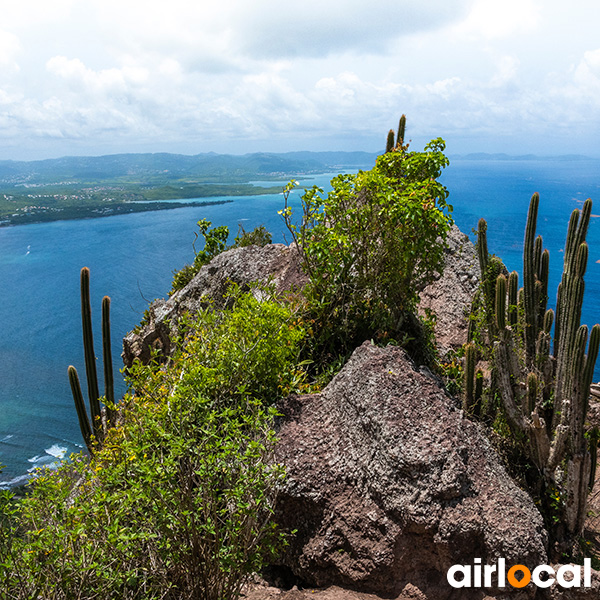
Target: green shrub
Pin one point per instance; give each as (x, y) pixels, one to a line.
(215, 242)
(371, 244)
(259, 236)
(177, 502)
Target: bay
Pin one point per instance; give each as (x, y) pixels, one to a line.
(132, 259)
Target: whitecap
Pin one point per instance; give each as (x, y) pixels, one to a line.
(56, 451)
(20, 480)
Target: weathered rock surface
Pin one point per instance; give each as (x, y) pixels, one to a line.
(275, 263)
(389, 484)
(450, 296)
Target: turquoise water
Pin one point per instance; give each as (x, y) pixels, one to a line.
(132, 258)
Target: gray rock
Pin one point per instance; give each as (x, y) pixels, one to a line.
(449, 297)
(389, 484)
(276, 264)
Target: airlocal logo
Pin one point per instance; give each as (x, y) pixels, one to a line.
(478, 575)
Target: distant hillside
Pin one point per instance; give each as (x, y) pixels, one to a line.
(163, 167)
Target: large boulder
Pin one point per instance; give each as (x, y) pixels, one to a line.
(389, 484)
(449, 296)
(275, 264)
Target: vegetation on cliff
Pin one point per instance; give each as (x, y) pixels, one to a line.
(370, 246)
(175, 501)
(537, 393)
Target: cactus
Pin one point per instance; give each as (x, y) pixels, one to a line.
(90, 356)
(389, 145)
(544, 394)
(394, 141)
(501, 303)
(478, 392)
(594, 438)
(513, 297)
(84, 424)
(96, 430)
(401, 131)
(487, 275)
(109, 387)
(469, 375)
(529, 279)
(532, 391)
(470, 330)
(482, 246)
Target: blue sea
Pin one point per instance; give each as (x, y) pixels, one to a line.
(132, 259)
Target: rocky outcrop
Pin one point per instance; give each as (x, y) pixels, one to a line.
(389, 484)
(276, 264)
(449, 297)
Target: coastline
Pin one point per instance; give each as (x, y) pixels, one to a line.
(95, 212)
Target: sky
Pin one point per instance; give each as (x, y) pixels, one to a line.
(93, 77)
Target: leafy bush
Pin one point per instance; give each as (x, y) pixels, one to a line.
(215, 242)
(371, 244)
(177, 502)
(259, 236)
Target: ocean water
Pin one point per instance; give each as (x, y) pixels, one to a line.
(500, 192)
(132, 257)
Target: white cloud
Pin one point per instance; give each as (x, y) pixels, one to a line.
(192, 74)
(268, 28)
(587, 73)
(507, 68)
(492, 19)
(9, 49)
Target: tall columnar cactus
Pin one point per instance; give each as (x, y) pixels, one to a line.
(401, 131)
(501, 302)
(84, 424)
(482, 245)
(473, 382)
(489, 267)
(530, 278)
(513, 297)
(89, 354)
(469, 377)
(545, 394)
(95, 431)
(389, 144)
(396, 140)
(109, 386)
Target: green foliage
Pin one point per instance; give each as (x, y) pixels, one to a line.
(259, 236)
(182, 277)
(370, 245)
(215, 242)
(8, 526)
(178, 500)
